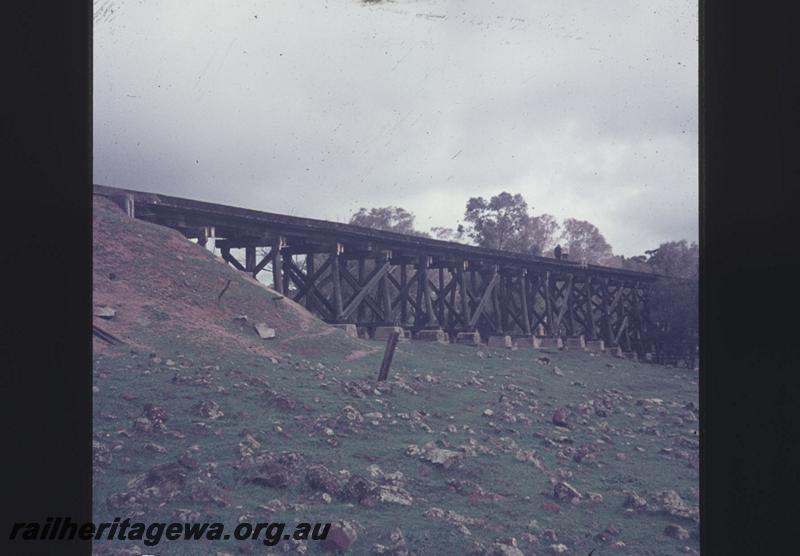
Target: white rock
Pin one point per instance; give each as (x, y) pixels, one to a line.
(264, 331)
(104, 312)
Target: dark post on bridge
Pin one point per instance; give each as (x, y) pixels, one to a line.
(391, 343)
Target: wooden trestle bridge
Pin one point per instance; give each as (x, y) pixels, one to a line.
(374, 278)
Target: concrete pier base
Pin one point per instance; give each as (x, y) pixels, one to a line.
(575, 343)
(501, 342)
(526, 342)
(551, 343)
(349, 329)
(437, 335)
(595, 346)
(468, 338)
(383, 332)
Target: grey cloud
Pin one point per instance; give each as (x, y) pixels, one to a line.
(317, 109)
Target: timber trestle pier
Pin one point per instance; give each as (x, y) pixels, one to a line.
(369, 278)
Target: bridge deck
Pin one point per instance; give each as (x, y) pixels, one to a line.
(246, 227)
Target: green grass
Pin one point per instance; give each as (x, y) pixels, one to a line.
(247, 406)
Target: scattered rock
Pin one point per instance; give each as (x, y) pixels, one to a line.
(272, 475)
(669, 502)
(500, 549)
(566, 493)
(264, 331)
(474, 491)
(560, 417)
(208, 409)
(350, 413)
(341, 536)
(322, 478)
(183, 515)
(676, 532)
(635, 502)
(284, 403)
(105, 312)
(394, 495)
(549, 535)
(162, 482)
(460, 521)
(595, 497)
(156, 415)
(362, 490)
(101, 455)
(446, 458)
(142, 424)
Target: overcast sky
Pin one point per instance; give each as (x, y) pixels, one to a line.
(315, 108)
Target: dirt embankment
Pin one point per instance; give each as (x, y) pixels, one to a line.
(162, 284)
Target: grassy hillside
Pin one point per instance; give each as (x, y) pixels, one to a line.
(199, 419)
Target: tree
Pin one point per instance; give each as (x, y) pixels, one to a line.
(543, 232)
(392, 219)
(678, 259)
(674, 300)
(500, 223)
(637, 263)
(449, 234)
(584, 242)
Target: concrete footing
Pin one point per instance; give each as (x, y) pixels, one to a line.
(349, 329)
(595, 346)
(526, 342)
(575, 343)
(501, 342)
(616, 351)
(550, 343)
(383, 332)
(437, 335)
(468, 338)
(632, 355)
